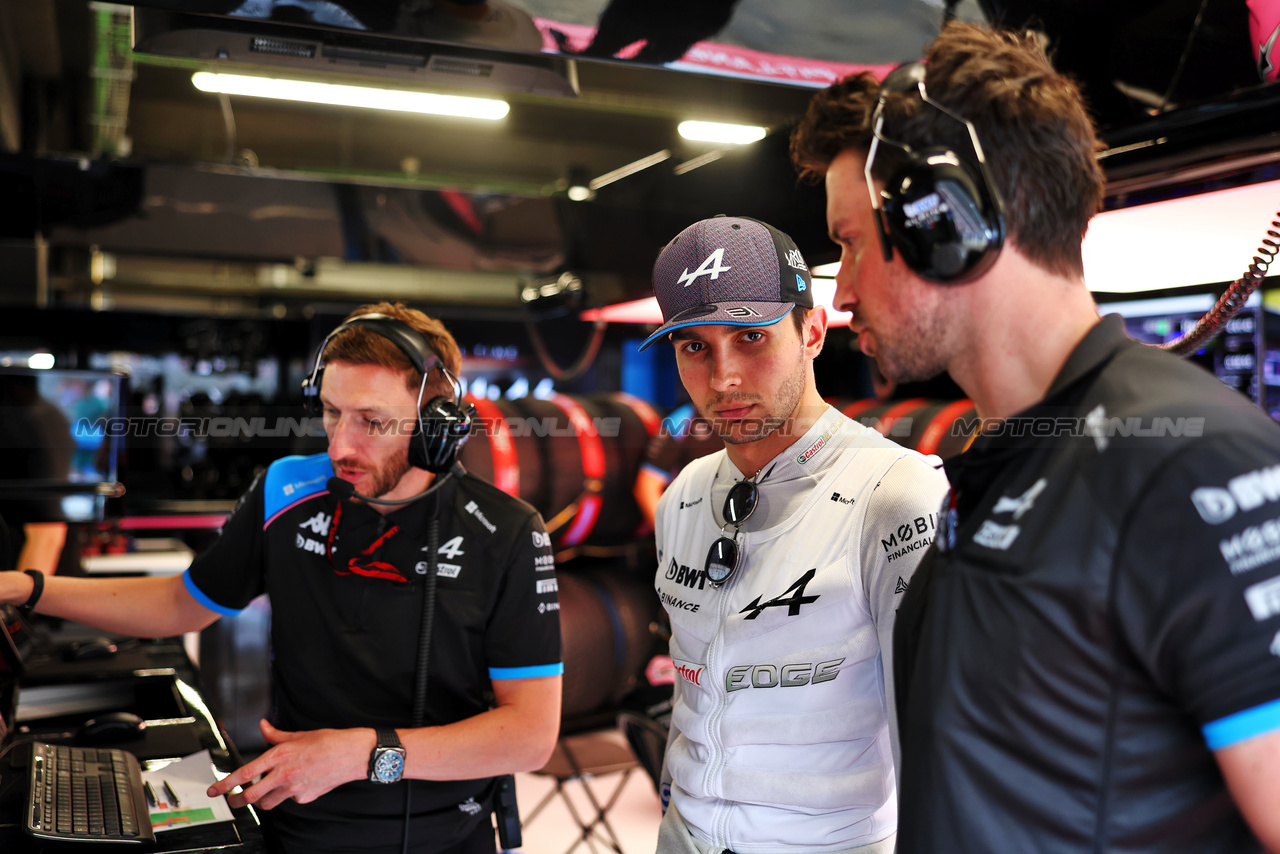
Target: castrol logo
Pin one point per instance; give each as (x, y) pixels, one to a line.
(689, 671)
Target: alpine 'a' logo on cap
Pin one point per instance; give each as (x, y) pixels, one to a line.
(712, 267)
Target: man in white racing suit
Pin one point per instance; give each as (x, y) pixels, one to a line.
(781, 562)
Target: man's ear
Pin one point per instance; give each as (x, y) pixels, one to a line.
(815, 331)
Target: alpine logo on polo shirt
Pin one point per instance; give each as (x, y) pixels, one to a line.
(712, 267)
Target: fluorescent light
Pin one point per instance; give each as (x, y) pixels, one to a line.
(647, 311)
(720, 132)
(826, 271)
(40, 361)
(699, 161)
(1196, 240)
(630, 169)
(579, 193)
(342, 95)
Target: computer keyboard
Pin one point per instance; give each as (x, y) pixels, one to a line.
(84, 793)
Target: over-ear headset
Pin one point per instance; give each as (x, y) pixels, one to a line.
(443, 424)
(942, 213)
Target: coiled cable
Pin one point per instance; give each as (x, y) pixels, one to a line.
(1232, 300)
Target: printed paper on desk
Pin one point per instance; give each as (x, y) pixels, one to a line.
(188, 779)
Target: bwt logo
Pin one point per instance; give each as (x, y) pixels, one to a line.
(1244, 492)
(541, 540)
(686, 575)
(309, 545)
(691, 673)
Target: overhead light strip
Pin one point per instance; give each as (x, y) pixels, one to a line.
(720, 132)
(341, 95)
(630, 169)
(700, 160)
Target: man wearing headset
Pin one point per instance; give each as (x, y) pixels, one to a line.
(346, 544)
(781, 562)
(1088, 658)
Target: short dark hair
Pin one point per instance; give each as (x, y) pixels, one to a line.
(798, 315)
(1039, 142)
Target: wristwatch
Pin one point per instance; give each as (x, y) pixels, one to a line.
(386, 762)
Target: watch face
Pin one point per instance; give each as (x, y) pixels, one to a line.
(388, 766)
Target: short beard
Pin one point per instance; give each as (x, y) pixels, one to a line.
(790, 391)
(386, 478)
(917, 350)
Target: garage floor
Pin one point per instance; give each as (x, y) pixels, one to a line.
(548, 816)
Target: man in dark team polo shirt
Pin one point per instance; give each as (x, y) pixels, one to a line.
(1088, 658)
(359, 744)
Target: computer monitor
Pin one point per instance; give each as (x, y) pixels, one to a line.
(1245, 355)
(59, 443)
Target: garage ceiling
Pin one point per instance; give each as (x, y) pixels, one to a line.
(122, 154)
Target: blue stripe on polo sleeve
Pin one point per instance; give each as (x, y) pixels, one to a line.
(1234, 729)
(526, 672)
(204, 600)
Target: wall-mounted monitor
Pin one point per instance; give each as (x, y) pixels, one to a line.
(1245, 355)
(60, 442)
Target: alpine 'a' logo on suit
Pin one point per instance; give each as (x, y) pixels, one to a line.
(792, 598)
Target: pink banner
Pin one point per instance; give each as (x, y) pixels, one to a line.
(1264, 28)
(713, 58)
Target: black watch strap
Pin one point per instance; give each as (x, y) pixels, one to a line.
(387, 737)
(37, 590)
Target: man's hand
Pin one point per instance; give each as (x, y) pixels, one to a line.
(299, 765)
